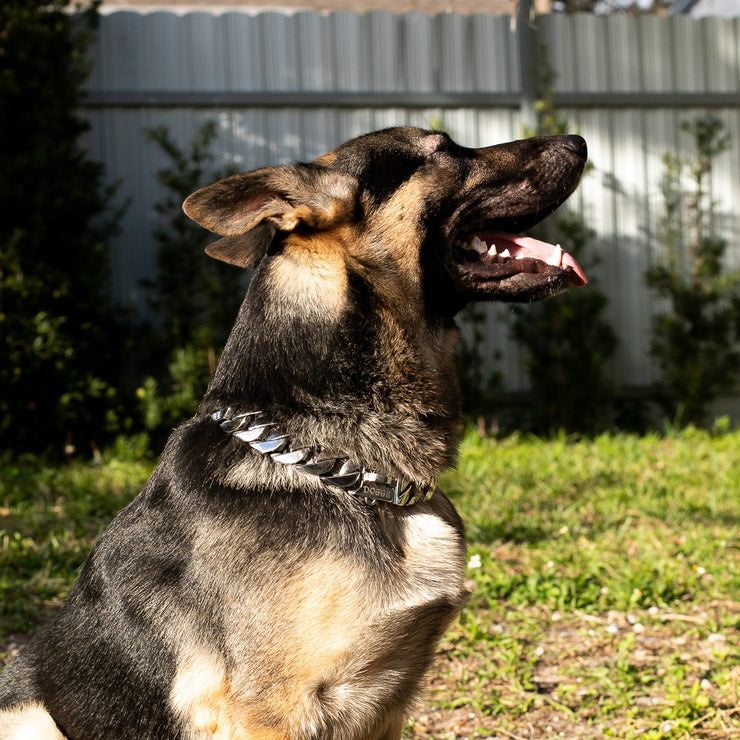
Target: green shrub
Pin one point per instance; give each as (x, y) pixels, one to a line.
(187, 377)
(568, 342)
(195, 297)
(568, 345)
(481, 386)
(58, 362)
(694, 341)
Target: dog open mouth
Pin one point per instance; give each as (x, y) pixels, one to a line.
(519, 185)
(494, 261)
(496, 256)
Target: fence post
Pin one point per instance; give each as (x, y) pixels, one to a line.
(526, 46)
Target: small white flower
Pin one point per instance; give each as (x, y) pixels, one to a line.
(474, 561)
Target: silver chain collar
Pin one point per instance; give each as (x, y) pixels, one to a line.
(340, 472)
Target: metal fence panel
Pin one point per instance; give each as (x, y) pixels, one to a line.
(283, 87)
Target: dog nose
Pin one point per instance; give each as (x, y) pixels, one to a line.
(576, 144)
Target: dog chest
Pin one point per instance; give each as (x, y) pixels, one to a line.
(434, 558)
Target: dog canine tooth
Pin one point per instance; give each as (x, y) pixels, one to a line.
(556, 258)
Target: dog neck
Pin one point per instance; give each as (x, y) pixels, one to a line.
(364, 383)
(339, 472)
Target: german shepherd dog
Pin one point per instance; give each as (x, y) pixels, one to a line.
(290, 566)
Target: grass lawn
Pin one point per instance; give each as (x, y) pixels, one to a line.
(604, 578)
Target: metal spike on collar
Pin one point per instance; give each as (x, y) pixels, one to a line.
(274, 443)
(340, 472)
(237, 422)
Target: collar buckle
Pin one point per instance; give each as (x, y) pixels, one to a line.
(397, 491)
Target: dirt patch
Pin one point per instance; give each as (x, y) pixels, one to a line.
(653, 674)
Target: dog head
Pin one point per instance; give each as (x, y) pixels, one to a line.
(410, 210)
(362, 258)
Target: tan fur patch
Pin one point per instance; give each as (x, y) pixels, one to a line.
(326, 159)
(311, 275)
(338, 649)
(398, 224)
(29, 722)
(200, 695)
(316, 617)
(387, 250)
(435, 559)
(327, 597)
(328, 611)
(393, 729)
(325, 646)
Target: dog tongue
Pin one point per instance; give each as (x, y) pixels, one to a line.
(526, 246)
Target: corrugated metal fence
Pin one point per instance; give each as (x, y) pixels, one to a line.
(285, 87)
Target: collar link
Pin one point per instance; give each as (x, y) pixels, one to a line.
(339, 472)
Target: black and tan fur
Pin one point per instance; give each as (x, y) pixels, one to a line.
(239, 598)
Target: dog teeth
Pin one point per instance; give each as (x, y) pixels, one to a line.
(556, 258)
(492, 251)
(505, 253)
(479, 246)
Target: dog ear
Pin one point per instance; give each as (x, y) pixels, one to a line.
(245, 250)
(248, 208)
